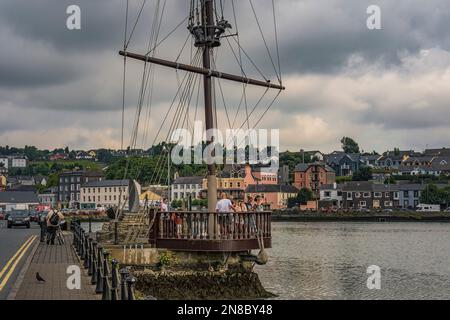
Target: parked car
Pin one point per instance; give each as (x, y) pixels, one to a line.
(428, 208)
(447, 210)
(2, 216)
(18, 218)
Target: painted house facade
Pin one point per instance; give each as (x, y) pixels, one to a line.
(312, 176)
(275, 196)
(368, 195)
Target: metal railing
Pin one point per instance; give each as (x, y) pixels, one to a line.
(109, 281)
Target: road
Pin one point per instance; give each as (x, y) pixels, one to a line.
(15, 247)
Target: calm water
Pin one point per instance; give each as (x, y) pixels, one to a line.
(329, 260)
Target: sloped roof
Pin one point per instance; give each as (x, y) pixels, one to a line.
(188, 180)
(18, 197)
(268, 188)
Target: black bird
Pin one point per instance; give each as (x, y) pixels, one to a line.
(39, 278)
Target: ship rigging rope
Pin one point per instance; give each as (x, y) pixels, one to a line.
(264, 40)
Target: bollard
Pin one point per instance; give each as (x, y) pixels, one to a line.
(114, 279)
(94, 263)
(86, 252)
(106, 294)
(130, 286)
(74, 230)
(99, 287)
(124, 273)
(89, 264)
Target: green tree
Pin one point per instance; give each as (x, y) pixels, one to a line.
(433, 195)
(349, 145)
(363, 174)
(302, 198)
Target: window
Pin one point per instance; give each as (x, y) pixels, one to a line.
(357, 195)
(78, 187)
(349, 196)
(98, 190)
(362, 204)
(377, 195)
(416, 194)
(366, 194)
(388, 203)
(386, 194)
(406, 194)
(328, 194)
(396, 195)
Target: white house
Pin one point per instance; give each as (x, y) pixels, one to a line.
(183, 187)
(331, 192)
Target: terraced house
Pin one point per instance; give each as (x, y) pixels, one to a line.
(368, 195)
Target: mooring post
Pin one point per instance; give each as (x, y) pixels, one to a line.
(114, 279)
(106, 294)
(99, 287)
(94, 263)
(90, 256)
(124, 273)
(130, 286)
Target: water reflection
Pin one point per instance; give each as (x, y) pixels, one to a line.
(329, 260)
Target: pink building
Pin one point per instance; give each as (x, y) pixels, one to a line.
(260, 175)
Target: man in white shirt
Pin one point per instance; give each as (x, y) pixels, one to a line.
(224, 204)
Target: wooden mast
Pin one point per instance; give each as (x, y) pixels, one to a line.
(207, 24)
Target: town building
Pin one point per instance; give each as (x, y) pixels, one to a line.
(18, 200)
(49, 197)
(284, 175)
(369, 195)
(312, 176)
(344, 164)
(70, 183)
(260, 175)
(17, 161)
(108, 194)
(394, 159)
(332, 194)
(275, 196)
(185, 187)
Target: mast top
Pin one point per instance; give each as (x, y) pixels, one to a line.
(206, 31)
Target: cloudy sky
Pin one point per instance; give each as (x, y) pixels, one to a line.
(386, 88)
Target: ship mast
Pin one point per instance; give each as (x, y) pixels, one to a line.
(207, 23)
(207, 34)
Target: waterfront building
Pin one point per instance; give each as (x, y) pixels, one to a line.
(70, 183)
(331, 193)
(17, 161)
(275, 195)
(312, 176)
(107, 193)
(185, 187)
(369, 195)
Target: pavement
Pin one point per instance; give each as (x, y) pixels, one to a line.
(22, 255)
(16, 245)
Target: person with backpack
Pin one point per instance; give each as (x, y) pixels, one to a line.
(53, 219)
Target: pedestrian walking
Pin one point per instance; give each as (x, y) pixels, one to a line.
(53, 220)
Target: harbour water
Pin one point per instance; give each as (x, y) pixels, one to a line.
(330, 260)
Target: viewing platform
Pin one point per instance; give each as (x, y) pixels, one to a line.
(211, 232)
